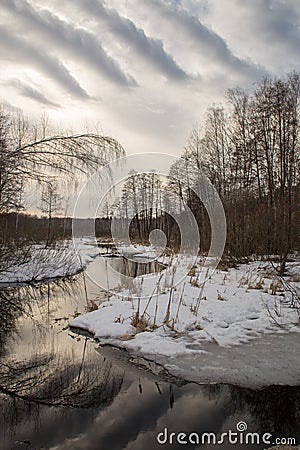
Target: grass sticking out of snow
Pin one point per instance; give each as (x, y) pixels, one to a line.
(229, 308)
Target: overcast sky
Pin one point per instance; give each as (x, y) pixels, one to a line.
(143, 70)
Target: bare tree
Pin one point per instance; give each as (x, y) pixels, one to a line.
(249, 149)
(51, 203)
(29, 156)
(46, 157)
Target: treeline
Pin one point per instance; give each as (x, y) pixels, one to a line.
(34, 229)
(249, 149)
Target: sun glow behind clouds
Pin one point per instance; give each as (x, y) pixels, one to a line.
(145, 70)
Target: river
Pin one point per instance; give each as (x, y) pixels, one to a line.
(59, 390)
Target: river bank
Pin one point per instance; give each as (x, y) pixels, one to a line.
(239, 327)
(50, 376)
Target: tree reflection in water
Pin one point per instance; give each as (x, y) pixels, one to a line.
(26, 301)
(40, 364)
(274, 409)
(55, 389)
(49, 380)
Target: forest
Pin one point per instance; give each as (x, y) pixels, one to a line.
(62, 297)
(248, 147)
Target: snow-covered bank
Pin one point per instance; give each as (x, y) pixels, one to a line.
(271, 360)
(184, 326)
(41, 264)
(136, 252)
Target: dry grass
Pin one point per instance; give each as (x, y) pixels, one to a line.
(220, 297)
(275, 287)
(192, 271)
(195, 283)
(244, 280)
(92, 306)
(126, 337)
(140, 322)
(257, 285)
(295, 278)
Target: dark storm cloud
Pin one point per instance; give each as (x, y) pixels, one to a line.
(210, 44)
(20, 50)
(79, 42)
(28, 91)
(127, 32)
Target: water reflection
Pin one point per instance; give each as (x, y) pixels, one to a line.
(49, 379)
(58, 392)
(133, 419)
(111, 272)
(42, 365)
(11, 307)
(30, 302)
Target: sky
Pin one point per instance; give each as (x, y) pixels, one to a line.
(142, 71)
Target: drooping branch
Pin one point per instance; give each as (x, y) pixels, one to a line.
(27, 155)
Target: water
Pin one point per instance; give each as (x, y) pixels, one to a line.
(107, 272)
(59, 391)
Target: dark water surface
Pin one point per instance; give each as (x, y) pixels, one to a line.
(58, 392)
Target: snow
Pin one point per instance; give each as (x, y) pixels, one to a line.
(137, 252)
(194, 324)
(42, 264)
(234, 307)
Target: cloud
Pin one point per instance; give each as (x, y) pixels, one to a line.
(80, 42)
(112, 428)
(279, 21)
(281, 18)
(210, 45)
(266, 31)
(148, 48)
(28, 54)
(135, 430)
(28, 91)
(184, 54)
